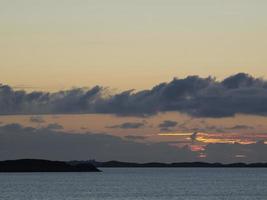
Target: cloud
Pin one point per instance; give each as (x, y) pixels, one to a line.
(128, 125)
(135, 137)
(167, 124)
(240, 127)
(54, 126)
(22, 142)
(27, 142)
(37, 119)
(193, 137)
(210, 128)
(193, 95)
(229, 153)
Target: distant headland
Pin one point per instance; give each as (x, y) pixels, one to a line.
(177, 165)
(38, 165)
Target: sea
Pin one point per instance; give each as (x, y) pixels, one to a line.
(138, 184)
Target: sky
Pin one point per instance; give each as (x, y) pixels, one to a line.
(186, 77)
(115, 43)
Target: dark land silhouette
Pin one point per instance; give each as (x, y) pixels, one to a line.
(37, 165)
(177, 165)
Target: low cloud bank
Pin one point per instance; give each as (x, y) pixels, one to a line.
(25, 142)
(46, 143)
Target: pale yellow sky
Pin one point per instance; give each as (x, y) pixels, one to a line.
(51, 45)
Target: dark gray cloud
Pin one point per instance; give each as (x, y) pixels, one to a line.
(128, 125)
(240, 127)
(193, 137)
(54, 126)
(212, 128)
(195, 128)
(167, 124)
(206, 127)
(135, 137)
(26, 142)
(196, 96)
(37, 119)
(229, 153)
(20, 142)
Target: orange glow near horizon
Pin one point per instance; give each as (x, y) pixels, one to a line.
(175, 134)
(228, 138)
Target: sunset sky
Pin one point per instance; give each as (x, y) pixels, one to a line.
(128, 44)
(163, 75)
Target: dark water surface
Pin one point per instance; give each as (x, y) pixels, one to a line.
(138, 183)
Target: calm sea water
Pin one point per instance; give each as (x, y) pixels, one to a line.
(137, 184)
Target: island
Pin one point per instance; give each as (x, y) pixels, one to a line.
(118, 164)
(38, 165)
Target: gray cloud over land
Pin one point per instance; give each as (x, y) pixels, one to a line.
(196, 96)
(135, 137)
(229, 153)
(26, 142)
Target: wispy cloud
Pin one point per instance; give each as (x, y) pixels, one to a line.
(166, 125)
(37, 119)
(128, 125)
(54, 126)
